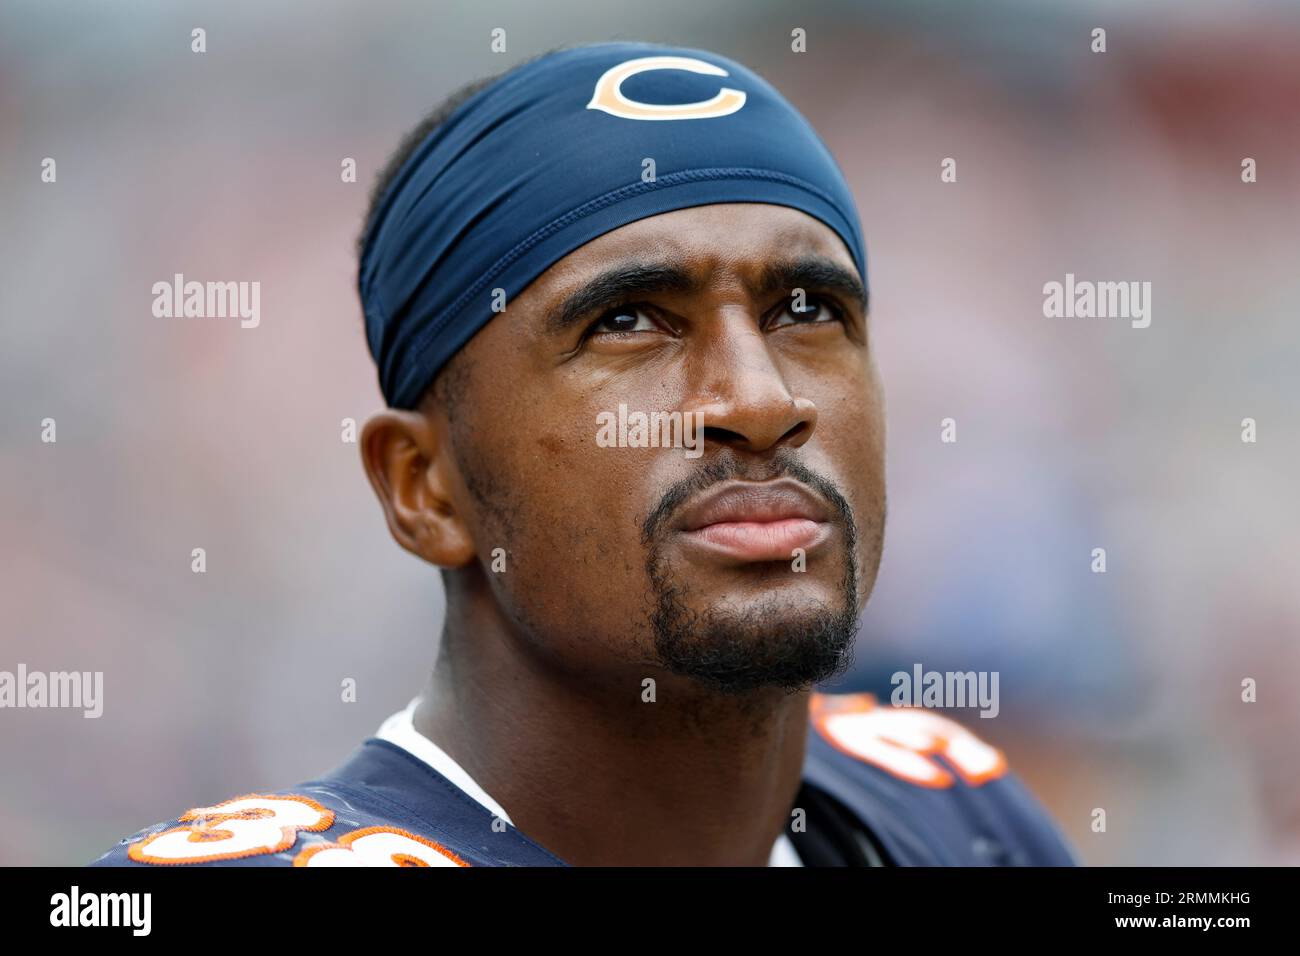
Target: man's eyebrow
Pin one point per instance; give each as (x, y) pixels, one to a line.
(616, 286)
(812, 272)
(630, 280)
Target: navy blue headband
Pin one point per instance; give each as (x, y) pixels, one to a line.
(548, 158)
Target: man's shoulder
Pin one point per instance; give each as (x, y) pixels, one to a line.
(931, 791)
(381, 807)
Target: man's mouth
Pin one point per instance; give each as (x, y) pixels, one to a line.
(746, 521)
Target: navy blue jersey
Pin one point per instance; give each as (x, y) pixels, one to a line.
(881, 785)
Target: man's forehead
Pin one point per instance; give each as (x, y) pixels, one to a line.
(746, 238)
(717, 231)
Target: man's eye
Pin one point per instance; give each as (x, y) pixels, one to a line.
(813, 310)
(625, 318)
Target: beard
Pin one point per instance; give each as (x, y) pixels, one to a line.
(774, 642)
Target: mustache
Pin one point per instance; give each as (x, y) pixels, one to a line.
(730, 467)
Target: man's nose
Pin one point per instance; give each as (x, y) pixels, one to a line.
(738, 387)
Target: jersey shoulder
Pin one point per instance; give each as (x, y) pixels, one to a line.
(382, 807)
(930, 790)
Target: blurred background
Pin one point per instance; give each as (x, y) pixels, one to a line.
(1119, 691)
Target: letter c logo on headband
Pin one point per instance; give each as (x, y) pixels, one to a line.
(610, 98)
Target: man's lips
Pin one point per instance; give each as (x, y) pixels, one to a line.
(755, 521)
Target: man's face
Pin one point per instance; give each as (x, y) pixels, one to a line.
(742, 566)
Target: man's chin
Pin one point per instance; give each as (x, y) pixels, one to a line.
(776, 642)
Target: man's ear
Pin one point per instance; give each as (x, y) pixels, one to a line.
(408, 461)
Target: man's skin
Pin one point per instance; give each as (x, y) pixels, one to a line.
(539, 687)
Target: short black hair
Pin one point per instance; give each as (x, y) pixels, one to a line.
(447, 388)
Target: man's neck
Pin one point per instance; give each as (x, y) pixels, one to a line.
(600, 775)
